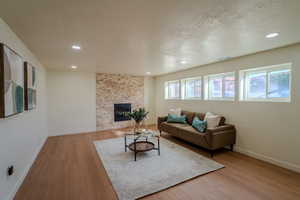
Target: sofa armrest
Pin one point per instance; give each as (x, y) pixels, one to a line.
(222, 136)
(161, 120)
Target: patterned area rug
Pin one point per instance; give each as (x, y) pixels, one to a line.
(150, 173)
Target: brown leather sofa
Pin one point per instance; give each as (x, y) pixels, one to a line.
(211, 139)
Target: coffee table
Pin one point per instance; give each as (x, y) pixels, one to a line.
(141, 142)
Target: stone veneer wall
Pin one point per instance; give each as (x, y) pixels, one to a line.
(116, 88)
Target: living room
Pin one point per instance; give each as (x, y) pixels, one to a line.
(149, 100)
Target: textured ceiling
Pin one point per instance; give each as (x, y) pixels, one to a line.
(137, 36)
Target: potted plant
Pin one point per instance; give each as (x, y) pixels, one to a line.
(138, 115)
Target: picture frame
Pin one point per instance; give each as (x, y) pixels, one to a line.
(30, 86)
(11, 82)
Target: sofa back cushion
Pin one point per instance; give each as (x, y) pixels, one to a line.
(189, 116)
(222, 121)
(200, 115)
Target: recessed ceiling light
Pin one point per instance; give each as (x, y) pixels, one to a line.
(183, 62)
(272, 35)
(76, 47)
(74, 67)
(148, 73)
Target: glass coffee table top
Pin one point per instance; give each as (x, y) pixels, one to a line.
(140, 141)
(143, 133)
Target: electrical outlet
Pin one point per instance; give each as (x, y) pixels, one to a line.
(10, 170)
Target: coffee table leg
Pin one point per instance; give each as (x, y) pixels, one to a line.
(125, 143)
(135, 151)
(158, 146)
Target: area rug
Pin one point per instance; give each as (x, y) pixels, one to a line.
(150, 173)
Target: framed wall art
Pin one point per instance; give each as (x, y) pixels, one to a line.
(11, 82)
(30, 86)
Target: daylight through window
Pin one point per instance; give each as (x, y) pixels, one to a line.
(266, 83)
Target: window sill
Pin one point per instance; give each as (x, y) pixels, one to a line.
(173, 99)
(221, 99)
(193, 99)
(267, 100)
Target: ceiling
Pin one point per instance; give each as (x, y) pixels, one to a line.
(157, 36)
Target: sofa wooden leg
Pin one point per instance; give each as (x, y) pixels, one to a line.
(231, 147)
(211, 153)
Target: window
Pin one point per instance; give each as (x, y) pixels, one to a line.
(266, 83)
(172, 89)
(192, 88)
(220, 86)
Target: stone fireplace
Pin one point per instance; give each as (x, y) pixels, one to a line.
(117, 90)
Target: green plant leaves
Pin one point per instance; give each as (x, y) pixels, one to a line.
(138, 115)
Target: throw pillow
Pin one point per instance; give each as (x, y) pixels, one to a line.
(175, 111)
(199, 125)
(208, 114)
(176, 119)
(189, 116)
(212, 120)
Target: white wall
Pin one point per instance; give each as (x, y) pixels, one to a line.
(71, 102)
(21, 136)
(149, 99)
(268, 131)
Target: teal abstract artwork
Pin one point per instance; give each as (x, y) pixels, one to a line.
(30, 86)
(12, 98)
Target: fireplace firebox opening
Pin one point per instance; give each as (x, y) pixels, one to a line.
(120, 111)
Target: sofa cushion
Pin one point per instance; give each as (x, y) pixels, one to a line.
(172, 127)
(190, 129)
(181, 129)
(176, 119)
(187, 133)
(189, 116)
(200, 115)
(190, 134)
(222, 121)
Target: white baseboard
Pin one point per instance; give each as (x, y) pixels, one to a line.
(268, 159)
(25, 172)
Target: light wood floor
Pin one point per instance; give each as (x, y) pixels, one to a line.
(68, 168)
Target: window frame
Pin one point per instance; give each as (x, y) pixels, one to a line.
(167, 97)
(243, 87)
(184, 91)
(207, 89)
